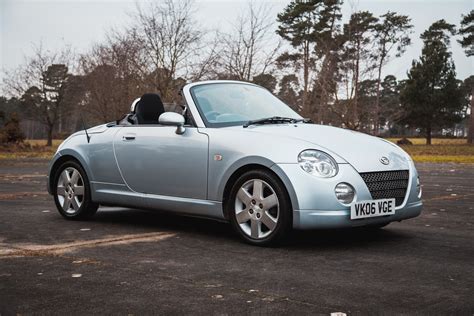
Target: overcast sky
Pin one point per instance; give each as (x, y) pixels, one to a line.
(80, 23)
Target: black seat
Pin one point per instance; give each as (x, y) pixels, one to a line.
(149, 109)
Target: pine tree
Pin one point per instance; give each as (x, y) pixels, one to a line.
(467, 42)
(48, 101)
(431, 97)
(391, 33)
(357, 60)
(307, 26)
(467, 33)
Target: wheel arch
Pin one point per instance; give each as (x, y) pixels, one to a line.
(62, 158)
(273, 169)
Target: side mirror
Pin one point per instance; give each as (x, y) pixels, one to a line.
(173, 119)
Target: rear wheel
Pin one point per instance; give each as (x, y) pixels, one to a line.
(259, 208)
(72, 194)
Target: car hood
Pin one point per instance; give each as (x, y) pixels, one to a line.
(362, 151)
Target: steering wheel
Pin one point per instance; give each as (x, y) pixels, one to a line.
(211, 115)
(230, 117)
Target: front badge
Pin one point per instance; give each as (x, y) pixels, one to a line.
(384, 160)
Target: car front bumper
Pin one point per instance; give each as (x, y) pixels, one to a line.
(315, 205)
(323, 219)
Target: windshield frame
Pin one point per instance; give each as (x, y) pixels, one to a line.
(224, 124)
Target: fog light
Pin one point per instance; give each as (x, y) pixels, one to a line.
(418, 187)
(345, 193)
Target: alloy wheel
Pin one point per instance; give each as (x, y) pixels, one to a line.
(257, 208)
(70, 190)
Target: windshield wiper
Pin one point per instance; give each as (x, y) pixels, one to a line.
(276, 120)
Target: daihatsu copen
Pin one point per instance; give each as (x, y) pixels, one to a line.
(237, 153)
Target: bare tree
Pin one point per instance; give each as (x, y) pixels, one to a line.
(170, 38)
(206, 65)
(157, 52)
(250, 49)
(114, 73)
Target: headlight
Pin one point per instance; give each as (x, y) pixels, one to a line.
(317, 163)
(418, 187)
(345, 193)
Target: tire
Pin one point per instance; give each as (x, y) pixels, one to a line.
(259, 221)
(72, 193)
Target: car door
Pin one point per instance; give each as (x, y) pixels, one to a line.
(153, 159)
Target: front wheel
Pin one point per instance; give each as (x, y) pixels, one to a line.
(259, 208)
(72, 194)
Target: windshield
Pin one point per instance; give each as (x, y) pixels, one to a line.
(228, 104)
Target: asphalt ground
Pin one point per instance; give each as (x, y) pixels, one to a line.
(138, 262)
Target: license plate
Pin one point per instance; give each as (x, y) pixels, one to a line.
(373, 208)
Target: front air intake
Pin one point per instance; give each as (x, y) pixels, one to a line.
(387, 184)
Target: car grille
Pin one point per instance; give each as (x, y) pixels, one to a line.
(387, 184)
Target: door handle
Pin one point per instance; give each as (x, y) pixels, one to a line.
(128, 137)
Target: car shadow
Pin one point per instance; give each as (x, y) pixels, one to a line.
(347, 238)
(162, 220)
(310, 239)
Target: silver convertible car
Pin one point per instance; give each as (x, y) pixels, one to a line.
(236, 153)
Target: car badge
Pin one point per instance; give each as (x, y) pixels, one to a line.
(384, 160)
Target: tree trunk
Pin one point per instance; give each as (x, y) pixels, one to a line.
(356, 89)
(305, 80)
(470, 133)
(377, 100)
(428, 135)
(50, 136)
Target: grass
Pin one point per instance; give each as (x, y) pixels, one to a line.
(42, 142)
(443, 150)
(31, 148)
(434, 141)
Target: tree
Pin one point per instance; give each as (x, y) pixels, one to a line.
(170, 38)
(43, 85)
(390, 110)
(9, 106)
(357, 62)
(249, 50)
(391, 33)
(324, 87)
(48, 101)
(366, 96)
(11, 132)
(467, 42)
(104, 94)
(431, 97)
(289, 91)
(469, 93)
(305, 25)
(467, 33)
(114, 74)
(267, 81)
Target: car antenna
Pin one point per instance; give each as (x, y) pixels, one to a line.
(85, 130)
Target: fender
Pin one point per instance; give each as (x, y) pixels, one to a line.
(76, 154)
(262, 161)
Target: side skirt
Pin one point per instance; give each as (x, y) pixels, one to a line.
(121, 195)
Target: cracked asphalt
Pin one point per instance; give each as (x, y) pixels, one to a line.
(137, 262)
